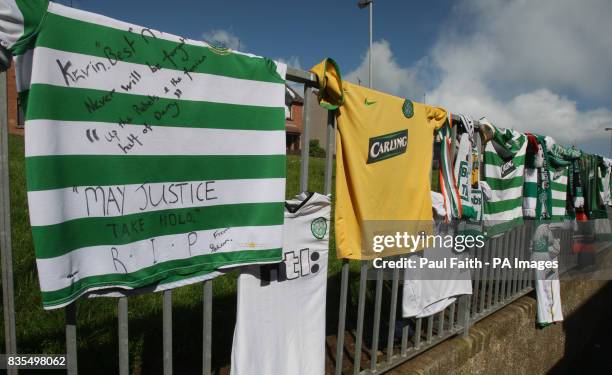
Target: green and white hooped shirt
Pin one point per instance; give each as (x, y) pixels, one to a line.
(504, 163)
(152, 160)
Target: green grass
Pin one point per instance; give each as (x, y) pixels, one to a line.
(40, 331)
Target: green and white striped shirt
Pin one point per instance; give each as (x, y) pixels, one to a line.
(504, 163)
(560, 160)
(152, 160)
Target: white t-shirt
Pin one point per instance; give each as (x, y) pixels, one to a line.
(429, 291)
(280, 322)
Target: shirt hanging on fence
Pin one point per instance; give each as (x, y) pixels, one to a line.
(546, 178)
(383, 161)
(535, 198)
(467, 176)
(590, 176)
(427, 291)
(559, 160)
(463, 171)
(604, 176)
(152, 160)
(466, 171)
(504, 162)
(280, 323)
(453, 204)
(545, 248)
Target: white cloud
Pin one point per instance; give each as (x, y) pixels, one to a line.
(387, 73)
(224, 38)
(539, 111)
(523, 64)
(559, 44)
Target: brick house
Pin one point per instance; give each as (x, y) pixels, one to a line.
(15, 115)
(294, 109)
(294, 113)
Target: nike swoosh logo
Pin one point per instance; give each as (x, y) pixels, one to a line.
(368, 103)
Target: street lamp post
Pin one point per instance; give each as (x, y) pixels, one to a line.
(362, 4)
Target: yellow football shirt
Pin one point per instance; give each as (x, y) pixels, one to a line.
(383, 162)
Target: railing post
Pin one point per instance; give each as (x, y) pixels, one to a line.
(342, 315)
(376, 328)
(484, 271)
(305, 152)
(418, 332)
(429, 335)
(124, 350)
(392, 312)
(476, 281)
(8, 297)
(464, 314)
(329, 151)
(363, 278)
(71, 339)
(167, 332)
(207, 328)
(496, 244)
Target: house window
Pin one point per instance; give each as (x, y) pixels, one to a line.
(288, 112)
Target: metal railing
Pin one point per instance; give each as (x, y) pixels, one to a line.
(492, 289)
(366, 343)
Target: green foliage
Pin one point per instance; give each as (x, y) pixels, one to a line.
(315, 149)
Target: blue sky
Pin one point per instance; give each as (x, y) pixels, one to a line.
(535, 66)
(274, 28)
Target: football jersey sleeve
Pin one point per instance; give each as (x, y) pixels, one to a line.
(436, 116)
(19, 22)
(331, 94)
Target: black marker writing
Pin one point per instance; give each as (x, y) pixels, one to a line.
(187, 71)
(216, 247)
(72, 76)
(127, 229)
(94, 104)
(115, 256)
(192, 238)
(172, 107)
(176, 193)
(108, 197)
(133, 140)
(153, 249)
(180, 50)
(219, 233)
(133, 79)
(173, 219)
(121, 54)
(144, 106)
